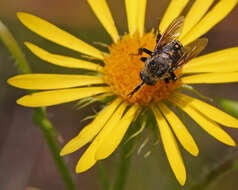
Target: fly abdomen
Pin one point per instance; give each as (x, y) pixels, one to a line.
(174, 50)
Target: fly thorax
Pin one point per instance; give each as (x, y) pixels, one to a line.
(158, 66)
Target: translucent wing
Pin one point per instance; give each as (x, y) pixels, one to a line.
(172, 32)
(191, 51)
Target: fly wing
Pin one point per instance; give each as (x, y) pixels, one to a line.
(173, 31)
(191, 51)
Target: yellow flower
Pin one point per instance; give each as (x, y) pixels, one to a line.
(120, 75)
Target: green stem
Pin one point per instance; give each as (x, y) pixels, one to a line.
(229, 164)
(103, 176)
(14, 49)
(214, 176)
(124, 166)
(50, 135)
(211, 180)
(48, 130)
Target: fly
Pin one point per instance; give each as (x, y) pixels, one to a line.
(169, 54)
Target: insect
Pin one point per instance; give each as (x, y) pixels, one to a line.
(169, 54)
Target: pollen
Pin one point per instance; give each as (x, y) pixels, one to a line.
(122, 70)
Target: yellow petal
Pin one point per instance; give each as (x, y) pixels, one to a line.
(103, 13)
(225, 55)
(132, 15)
(180, 130)
(211, 78)
(91, 130)
(111, 142)
(171, 148)
(54, 97)
(52, 81)
(136, 10)
(196, 12)
(141, 15)
(173, 11)
(208, 125)
(221, 10)
(219, 61)
(211, 112)
(213, 68)
(57, 35)
(61, 60)
(88, 158)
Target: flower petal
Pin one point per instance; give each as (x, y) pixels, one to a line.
(57, 35)
(195, 13)
(141, 15)
(213, 68)
(221, 10)
(132, 15)
(103, 13)
(91, 130)
(219, 61)
(173, 11)
(171, 147)
(60, 60)
(180, 130)
(88, 158)
(211, 78)
(54, 97)
(135, 10)
(52, 81)
(211, 112)
(111, 142)
(207, 124)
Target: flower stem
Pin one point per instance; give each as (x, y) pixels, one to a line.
(48, 130)
(124, 165)
(14, 49)
(103, 176)
(214, 176)
(230, 164)
(50, 135)
(125, 161)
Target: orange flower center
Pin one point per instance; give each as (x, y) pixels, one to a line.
(122, 71)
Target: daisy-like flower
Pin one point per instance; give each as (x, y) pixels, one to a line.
(119, 75)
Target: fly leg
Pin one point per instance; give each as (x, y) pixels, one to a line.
(158, 37)
(166, 80)
(141, 50)
(143, 59)
(173, 76)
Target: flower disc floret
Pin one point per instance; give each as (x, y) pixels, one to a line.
(122, 68)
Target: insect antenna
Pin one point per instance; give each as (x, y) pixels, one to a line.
(136, 89)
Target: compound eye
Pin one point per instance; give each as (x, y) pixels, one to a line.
(146, 79)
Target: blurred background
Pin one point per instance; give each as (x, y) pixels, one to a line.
(25, 160)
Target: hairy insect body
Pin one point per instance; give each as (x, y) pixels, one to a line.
(174, 50)
(168, 55)
(160, 66)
